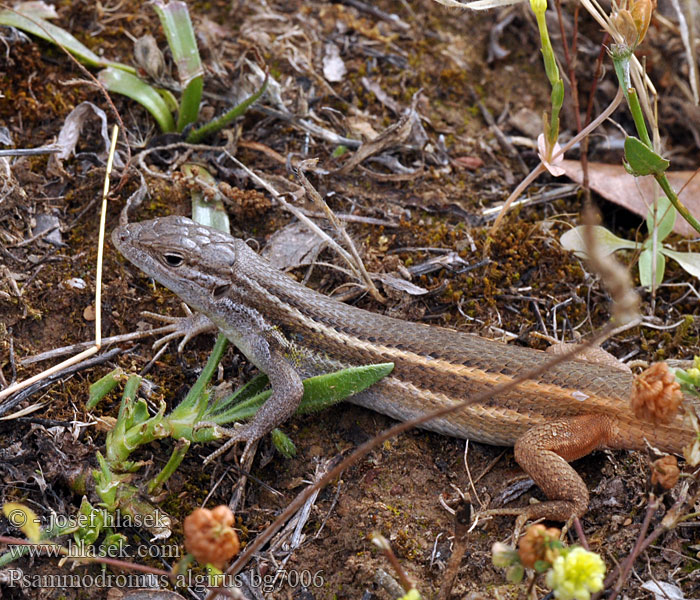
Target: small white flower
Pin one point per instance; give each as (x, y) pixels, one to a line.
(478, 4)
(550, 165)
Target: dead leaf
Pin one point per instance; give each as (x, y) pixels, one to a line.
(401, 285)
(407, 127)
(468, 162)
(293, 246)
(382, 96)
(615, 184)
(360, 127)
(70, 134)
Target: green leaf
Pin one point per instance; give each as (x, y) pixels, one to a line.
(139, 414)
(662, 214)
(28, 19)
(91, 522)
(217, 124)
(254, 387)
(608, 242)
(207, 209)
(689, 261)
(284, 445)
(104, 386)
(339, 151)
(128, 398)
(177, 25)
(515, 573)
(645, 267)
(121, 82)
(169, 99)
(542, 566)
(325, 390)
(320, 392)
(115, 543)
(189, 103)
(557, 95)
(642, 160)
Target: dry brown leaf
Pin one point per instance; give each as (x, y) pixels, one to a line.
(471, 163)
(615, 184)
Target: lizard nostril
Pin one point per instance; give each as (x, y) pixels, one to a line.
(220, 290)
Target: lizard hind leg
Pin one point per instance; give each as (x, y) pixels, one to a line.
(544, 453)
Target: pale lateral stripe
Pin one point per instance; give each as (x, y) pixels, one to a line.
(480, 375)
(497, 425)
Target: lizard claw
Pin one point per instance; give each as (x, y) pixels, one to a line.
(186, 327)
(168, 318)
(241, 433)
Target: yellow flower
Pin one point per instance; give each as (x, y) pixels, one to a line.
(575, 575)
(538, 6)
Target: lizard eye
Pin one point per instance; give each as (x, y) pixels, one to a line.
(173, 260)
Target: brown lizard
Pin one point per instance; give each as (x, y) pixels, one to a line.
(291, 332)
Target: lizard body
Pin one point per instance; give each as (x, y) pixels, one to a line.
(291, 332)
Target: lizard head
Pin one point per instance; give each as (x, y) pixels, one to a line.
(190, 259)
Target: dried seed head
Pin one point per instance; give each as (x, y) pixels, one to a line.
(536, 545)
(631, 20)
(209, 536)
(641, 13)
(657, 395)
(624, 24)
(665, 472)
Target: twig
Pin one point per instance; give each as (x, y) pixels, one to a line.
(581, 535)
(115, 339)
(301, 216)
(316, 197)
(98, 289)
(59, 371)
(34, 237)
(462, 521)
(385, 548)
(626, 567)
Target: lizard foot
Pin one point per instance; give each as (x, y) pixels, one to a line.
(235, 435)
(548, 510)
(244, 433)
(187, 327)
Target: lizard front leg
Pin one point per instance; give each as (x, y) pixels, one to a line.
(287, 390)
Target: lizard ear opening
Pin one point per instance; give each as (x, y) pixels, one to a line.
(220, 290)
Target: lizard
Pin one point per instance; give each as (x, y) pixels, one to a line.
(291, 332)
